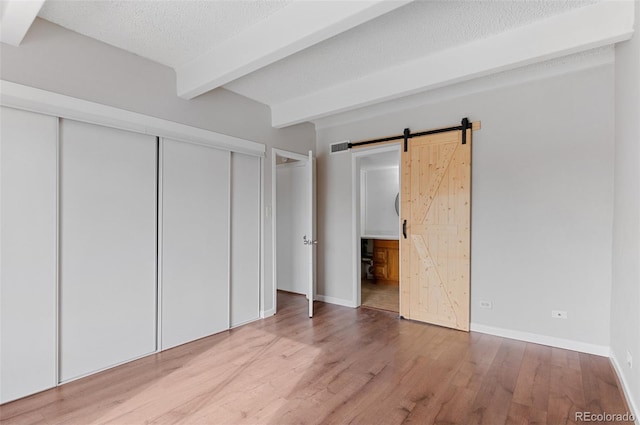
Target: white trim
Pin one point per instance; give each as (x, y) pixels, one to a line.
(48, 103)
(356, 231)
(229, 236)
(584, 28)
(299, 25)
(356, 261)
(567, 344)
(274, 248)
(626, 388)
(58, 249)
(159, 346)
(288, 154)
(274, 211)
(336, 301)
(367, 168)
(291, 164)
(262, 247)
(267, 313)
(313, 233)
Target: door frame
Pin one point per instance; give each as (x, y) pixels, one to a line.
(274, 211)
(356, 232)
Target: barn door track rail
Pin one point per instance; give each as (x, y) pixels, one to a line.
(465, 125)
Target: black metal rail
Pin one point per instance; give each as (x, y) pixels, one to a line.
(406, 135)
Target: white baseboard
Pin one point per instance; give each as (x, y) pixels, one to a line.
(626, 388)
(336, 301)
(567, 344)
(267, 313)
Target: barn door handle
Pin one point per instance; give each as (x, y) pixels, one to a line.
(404, 229)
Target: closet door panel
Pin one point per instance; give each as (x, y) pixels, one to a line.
(245, 238)
(28, 314)
(108, 247)
(195, 242)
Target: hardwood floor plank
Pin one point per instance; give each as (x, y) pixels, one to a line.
(600, 385)
(520, 414)
(532, 387)
(481, 353)
(566, 395)
(494, 398)
(345, 365)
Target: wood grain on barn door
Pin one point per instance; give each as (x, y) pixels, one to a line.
(435, 253)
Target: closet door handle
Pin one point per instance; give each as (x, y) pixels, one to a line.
(404, 229)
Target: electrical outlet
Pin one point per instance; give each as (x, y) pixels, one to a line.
(629, 360)
(559, 314)
(486, 304)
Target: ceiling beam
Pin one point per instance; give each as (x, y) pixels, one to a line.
(581, 29)
(17, 17)
(296, 27)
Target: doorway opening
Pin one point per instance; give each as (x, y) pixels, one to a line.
(377, 227)
(293, 223)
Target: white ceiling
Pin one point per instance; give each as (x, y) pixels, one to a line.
(359, 58)
(168, 32)
(415, 30)
(559, 66)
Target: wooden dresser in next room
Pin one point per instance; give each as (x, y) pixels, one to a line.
(386, 261)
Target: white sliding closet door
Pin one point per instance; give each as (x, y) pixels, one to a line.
(245, 238)
(108, 247)
(195, 242)
(28, 253)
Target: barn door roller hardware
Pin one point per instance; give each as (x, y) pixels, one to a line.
(465, 125)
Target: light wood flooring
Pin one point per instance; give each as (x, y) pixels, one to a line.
(346, 365)
(380, 295)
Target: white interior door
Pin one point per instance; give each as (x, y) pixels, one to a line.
(108, 247)
(294, 201)
(291, 226)
(311, 240)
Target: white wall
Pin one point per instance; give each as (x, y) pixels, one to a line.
(292, 216)
(55, 59)
(625, 294)
(378, 192)
(542, 201)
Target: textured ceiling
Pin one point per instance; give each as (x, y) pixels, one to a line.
(175, 32)
(168, 32)
(416, 30)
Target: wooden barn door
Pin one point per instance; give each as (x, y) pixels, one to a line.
(435, 244)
